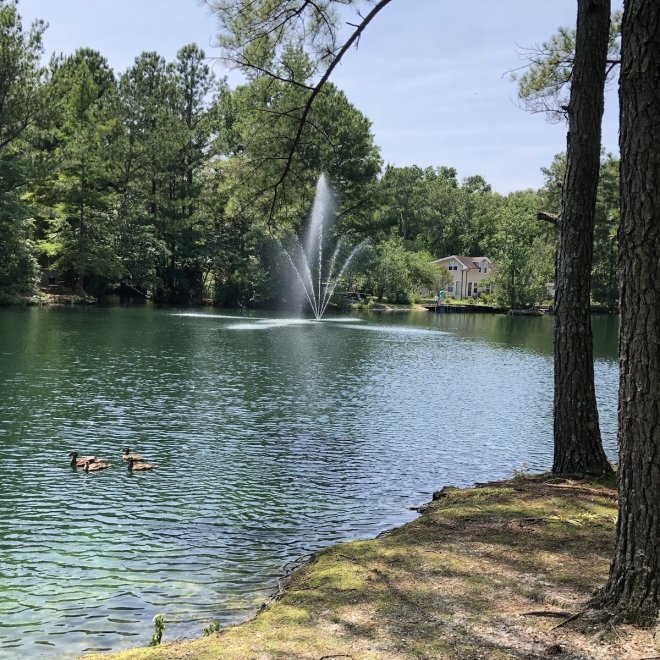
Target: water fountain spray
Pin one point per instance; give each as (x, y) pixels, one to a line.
(307, 260)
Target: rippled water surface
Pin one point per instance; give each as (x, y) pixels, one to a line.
(274, 437)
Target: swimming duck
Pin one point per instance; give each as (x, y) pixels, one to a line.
(96, 466)
(80, 462)
(134, 466)
(127, 455)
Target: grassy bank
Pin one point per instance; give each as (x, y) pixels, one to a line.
(387, 307)
(44, 299)
(486, 572)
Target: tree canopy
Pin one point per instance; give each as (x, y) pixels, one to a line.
(544, 81)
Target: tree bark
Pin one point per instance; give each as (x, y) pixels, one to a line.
(633, 591)
(578, 447)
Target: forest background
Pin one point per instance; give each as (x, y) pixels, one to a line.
(156, 181)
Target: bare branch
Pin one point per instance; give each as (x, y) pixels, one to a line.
(317, 89)
(547, 217)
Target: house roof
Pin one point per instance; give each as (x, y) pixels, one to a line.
(468, 263)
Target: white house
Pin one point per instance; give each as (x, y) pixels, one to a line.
(468, 274)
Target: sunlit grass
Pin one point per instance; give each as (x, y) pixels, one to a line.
(484, 572)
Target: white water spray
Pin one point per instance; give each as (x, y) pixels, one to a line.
(317, 279)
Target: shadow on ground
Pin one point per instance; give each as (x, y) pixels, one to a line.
(487, 572)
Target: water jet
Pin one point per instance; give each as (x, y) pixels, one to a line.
(316, 275)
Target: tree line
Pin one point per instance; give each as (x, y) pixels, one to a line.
(156, 181)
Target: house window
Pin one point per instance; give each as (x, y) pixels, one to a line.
(453, 265)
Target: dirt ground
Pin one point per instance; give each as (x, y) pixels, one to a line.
(496, 571)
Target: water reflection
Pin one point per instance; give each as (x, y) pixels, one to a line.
(270, 443)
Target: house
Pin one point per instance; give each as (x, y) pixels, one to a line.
(468, 274)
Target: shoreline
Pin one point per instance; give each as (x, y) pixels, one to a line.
(49, 300)
(483, 572)
(45, 299)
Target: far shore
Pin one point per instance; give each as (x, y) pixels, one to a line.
(499, 570)
(44, 299)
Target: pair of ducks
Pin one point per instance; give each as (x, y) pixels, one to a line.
(135, 462)
(89, 463)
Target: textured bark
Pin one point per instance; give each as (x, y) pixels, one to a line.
(633, 590)
(578, 447)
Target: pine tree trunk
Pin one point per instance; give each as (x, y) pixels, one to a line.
(578, 447)
(633, 590)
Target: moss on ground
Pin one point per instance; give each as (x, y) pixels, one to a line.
(486, 572)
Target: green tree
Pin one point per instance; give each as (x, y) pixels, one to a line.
(337, 140)
(81, 240)
(161, 148)
(441, 232)
(392, 272)
(138, 148)
(233, 255)
(258, 38)
(190, 139)
(580, 58)
(520, 248)
(256, 123)
(605, 272)
(430, 208)
(423, 275)
(404, 196)
(544, 85)
(476, 208)
(23, 105)
(387, 272)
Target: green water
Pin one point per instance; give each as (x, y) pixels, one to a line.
(273, 437)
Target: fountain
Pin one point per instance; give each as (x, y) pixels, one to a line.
(315, 284)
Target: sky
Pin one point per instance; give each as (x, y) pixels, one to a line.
(430, 75)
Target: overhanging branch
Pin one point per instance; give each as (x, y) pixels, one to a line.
(354, 38)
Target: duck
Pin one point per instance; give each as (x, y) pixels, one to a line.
(134, 466)
(82, 461)
(96, 466)
(127, 455)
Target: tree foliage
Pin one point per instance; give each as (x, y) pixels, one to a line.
(159, 180)
(80, 235)
(523, 251)
(544, 81)
(260, 36)
(23, 106)
(604, 273)
(393, 273)
(337, 140)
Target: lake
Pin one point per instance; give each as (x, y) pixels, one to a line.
(274, 438)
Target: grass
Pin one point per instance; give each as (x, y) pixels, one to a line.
(382, 306)
(486, 572)
(480, 301)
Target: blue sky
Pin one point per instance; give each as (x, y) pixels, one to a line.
(431, 75)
